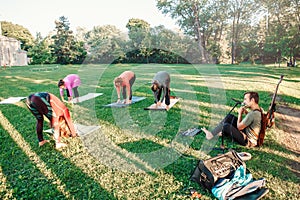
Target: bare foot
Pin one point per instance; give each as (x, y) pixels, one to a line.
(43, 142)
(208, 134)
(167, 108)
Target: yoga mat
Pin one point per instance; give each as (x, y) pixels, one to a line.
(121, 105)
(80, 129)
(12, 100)
(84, 130)
(88, 96)
(173, 101)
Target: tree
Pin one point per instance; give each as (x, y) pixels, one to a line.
(240, 12)
(40, 53)
(18, 32)
(138, 31)
(65, 48)
(188, 14)
(139, 35)
(105, 43)
(170, 46)
(282, 24)
(217, 23)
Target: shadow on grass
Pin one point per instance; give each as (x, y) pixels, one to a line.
(81, 185)
(26, 180)
(181, 167)
(141, 146)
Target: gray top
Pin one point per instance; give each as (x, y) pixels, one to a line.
(253, 123)
(162, 79)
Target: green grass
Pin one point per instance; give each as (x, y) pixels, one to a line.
(138, 154)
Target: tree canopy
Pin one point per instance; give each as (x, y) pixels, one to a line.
(65, 48)
(18, 32)
(239, 28)
(211, 31)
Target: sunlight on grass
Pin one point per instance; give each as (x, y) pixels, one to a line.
(7, 193)
(19, 78)
(119, 181)
(16, 136)
(140, 154)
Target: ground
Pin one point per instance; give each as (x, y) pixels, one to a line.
(288, 120)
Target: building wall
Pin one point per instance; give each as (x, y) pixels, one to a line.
(11, 53)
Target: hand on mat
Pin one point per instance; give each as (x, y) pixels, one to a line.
(43, 142)
(76, 100)
(60, 145)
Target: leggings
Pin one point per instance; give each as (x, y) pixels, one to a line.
(39, 108)
(75, 90)
(228, 127)
(167, 97)
(131, 81)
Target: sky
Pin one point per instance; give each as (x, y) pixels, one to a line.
(39, 15)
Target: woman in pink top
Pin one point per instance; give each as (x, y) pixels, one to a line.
(72, 81)
(125, 81)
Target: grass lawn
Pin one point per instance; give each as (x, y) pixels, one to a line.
(139, 154)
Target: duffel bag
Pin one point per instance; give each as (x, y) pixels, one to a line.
(207, 172)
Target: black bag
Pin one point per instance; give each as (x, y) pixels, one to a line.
(207, 172)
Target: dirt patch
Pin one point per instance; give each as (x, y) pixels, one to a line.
(289, 122)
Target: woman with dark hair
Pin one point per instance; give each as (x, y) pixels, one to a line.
(70, 82)
(46, 104)
(161, 84)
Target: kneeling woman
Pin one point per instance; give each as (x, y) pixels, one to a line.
(47, 104)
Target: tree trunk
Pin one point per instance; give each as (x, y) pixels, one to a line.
(198, 33)
(233, 42)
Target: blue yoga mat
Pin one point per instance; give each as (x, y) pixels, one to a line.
(121, 105)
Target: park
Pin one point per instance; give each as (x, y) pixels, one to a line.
(228, 63)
